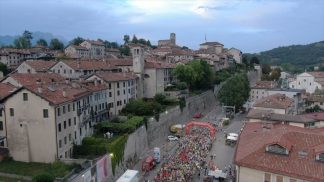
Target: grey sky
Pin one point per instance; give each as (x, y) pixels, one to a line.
(250, 25)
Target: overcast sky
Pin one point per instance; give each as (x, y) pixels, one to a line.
(250, 25)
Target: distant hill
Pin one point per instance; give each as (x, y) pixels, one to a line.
(298, 55)
(8, 40)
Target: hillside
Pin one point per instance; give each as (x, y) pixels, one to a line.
(8, 40)
(299, 55)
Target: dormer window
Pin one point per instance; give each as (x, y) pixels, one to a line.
(320, 157)
(277, 149)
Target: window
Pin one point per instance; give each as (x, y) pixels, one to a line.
(279, 179)
(74, 120)
(117, 84)
(12, 111)
(58, 111)
(1, 125)
(60, 143)
(63, 109)
(69, 122)
(277, 149)
(110, 95)
(320, 157)
(75, 135)
(25, 96)
(292, 180)
(64, 125)
(73, 107)
(80, 131)
(267, 177)
(118, 92)
(45, 113)
(65, 140)
(70, 137)
(69, 108)
(109, 85)
(59, 127)
(123, 84)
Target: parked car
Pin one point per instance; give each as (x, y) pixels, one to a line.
(198, 115)
(172, 138)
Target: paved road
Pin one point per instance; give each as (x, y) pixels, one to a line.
(224, 153)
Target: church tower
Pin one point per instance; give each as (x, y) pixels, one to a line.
(173, 39)
(138, 68)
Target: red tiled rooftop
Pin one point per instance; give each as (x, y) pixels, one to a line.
(40, 65)
(112, 77)
(95, 42)
(319, 116)
(317, 74)
(89, 65)
(53, 92)
(264, 85)
(31, 79)
(158, 64)
(251, 150)
(279, 101)
(6, 89)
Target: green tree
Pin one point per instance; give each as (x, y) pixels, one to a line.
(197, 74)
(44, 177)
(126, 39)
(21, 43)
(3, 68)
(235, 91)
(148, 43)
(42, 42)
(114, 45)
(76, 41)
(266, 69)
(275, 74)
(134, 40)
(254, 60)
(124, 50)
(56, 44)
(28, 36)
(184, 47)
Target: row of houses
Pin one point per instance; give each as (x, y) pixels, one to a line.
(49, 106)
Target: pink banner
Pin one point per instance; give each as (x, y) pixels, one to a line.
(102, 169)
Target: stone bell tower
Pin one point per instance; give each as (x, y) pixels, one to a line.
(138, 68)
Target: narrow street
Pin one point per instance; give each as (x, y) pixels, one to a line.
(224, 153)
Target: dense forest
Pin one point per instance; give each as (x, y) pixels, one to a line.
(297, 56)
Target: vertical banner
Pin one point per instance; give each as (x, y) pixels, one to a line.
(102, 169)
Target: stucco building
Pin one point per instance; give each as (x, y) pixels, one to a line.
(277, 103)
(75, 51)
(96, 48)
(310, 81)
(279, 153)
(169, 42)
(35, 66)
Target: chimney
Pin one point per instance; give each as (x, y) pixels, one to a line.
(64, 92)
(39, 89)
(38, 81)
(67, 81)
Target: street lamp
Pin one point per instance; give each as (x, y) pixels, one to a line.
(111, 155)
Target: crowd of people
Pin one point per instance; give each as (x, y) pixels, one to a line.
(189, 159)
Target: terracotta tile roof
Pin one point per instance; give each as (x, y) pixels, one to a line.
(317, 74)
(89, 65)
(53, 92)
(112, 50)
(264, 85)
(165, 50)
(269, 116)
(251, 150)
(212, 43)
(318, 116)
(315, 98)
(121, 62)
(94, 87)
(30, 79)
(40, 65)
(95, 42)
(6, 89)
(158, 64)
(278, 101)
(113, 77)
(79, 47)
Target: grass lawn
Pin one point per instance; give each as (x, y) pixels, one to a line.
(5, 179)
(57, 169)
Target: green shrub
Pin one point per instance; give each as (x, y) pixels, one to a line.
(44, 177)
(182, 85)
(226, 122)
(160, 98)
